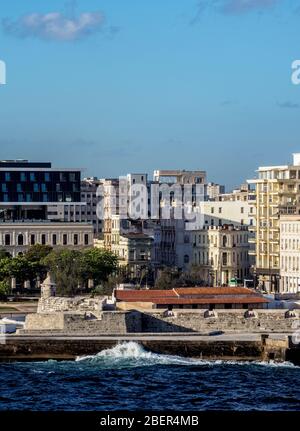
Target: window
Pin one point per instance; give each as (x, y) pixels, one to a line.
(32, 239)
(86, 239)
(7, 239)
(212, 210)
(72, 177)
(186, 258)
(7, 176)
(242, 210)
(36, 188)
(65, 239)
(62, 177)
(20, 239)
(47, 177)
(54, 239)
(43, 239)
(22, 177)
(32, 177)
(4, 187)
(75, 239)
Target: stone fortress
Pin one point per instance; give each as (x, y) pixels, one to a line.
(91, 316)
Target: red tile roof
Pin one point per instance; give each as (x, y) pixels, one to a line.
(192, 295)
(212, 300)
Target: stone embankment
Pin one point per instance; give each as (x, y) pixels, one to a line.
(227, 334)
(127, 322)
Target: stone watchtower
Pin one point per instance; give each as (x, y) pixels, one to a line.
(48, 287)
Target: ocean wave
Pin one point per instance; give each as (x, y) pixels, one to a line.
(133, 354)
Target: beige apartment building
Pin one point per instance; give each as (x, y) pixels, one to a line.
(289, 253)
(221, 253)
(130, 243)
(17, 237)
(277, 193)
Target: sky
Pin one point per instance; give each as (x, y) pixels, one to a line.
(118, 86)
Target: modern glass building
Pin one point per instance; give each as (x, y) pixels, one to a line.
(27, 188)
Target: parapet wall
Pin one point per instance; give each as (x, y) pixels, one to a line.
(124, 322)
(106, 322)
(225, 320)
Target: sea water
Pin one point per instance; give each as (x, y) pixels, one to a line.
(127, 377)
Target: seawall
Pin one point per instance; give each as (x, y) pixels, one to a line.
(251, 347)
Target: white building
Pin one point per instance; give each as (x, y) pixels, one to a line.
(17, 237)
(289, 253)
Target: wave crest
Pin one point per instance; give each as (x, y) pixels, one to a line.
(130, 354)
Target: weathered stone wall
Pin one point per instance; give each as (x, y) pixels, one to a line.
(225, 320)
(78, 304)
(122, 322)
(70, 323)
(45, 322)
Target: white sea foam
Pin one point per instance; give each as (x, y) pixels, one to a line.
(133, 354)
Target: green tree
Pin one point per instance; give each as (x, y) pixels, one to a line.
(3, 253)
(166, 279)
(4, 268)
(65, 266)
(35, 257)
(19, 268)
(37, 252)
(97, 264)
(4, 288)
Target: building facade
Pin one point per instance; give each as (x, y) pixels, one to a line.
(17, 237)
(221, 254)
(289, 253)
(277, 193)
(27, 188)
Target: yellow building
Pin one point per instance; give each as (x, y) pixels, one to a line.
(276, 193)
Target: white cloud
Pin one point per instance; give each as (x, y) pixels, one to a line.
(55, 26)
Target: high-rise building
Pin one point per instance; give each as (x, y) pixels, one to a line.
(34, 199)
(277, 193)
(29, 188)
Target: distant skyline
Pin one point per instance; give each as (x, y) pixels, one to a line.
(119, 86)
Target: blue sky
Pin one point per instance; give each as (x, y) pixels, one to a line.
(119, 86)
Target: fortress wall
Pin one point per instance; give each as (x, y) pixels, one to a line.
(123, 322)
(71, 323)
(225, 320)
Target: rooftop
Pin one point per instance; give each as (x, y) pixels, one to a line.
(192, 295)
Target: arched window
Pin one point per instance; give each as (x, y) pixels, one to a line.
(186, 258)
(20, 239)
(224, 241)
